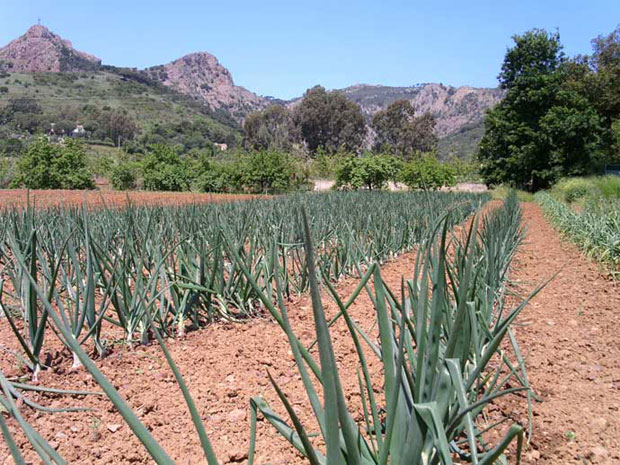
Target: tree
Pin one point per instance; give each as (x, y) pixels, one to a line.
(599, 80)
(536, 53)
(54, 166)
(399, 131)
(604, 81)
(269, 171)
(371, 171)
(544, 128)
(272, 128)
(118, 126)
(164, 170)
(427, 172)
(328, 120)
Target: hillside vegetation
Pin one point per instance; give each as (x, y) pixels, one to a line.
(114, 106)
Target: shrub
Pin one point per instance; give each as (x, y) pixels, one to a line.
(609, 186)
(371, 171)
(164, 170)
(573, 189)
(324, 166)
(123, 176)
(219, 177)
(269, 171)
(54, 166)
(427, 173)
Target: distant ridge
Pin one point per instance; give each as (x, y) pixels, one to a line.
(459, 111)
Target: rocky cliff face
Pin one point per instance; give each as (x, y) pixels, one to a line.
(453, 107)
(40, 50)
(202, 76)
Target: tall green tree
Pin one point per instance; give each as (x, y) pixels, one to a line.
(399, 131)
(598, 77)
(605, 64)
(272, 128)
(329, 121)
(544, 128)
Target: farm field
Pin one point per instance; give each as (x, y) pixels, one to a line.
(569, 332)
(55, 198)
(228, 360)
(594, 225)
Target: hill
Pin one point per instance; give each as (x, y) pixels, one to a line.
(109, 104)
(192, 101)
(201, 75)
(453, 107)
(462, 143)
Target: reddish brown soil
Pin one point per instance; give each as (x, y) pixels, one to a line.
(49, 198)
(569, 336)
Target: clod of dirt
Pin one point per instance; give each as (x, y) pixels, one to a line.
(238, 455)
(598, 454)
(114, 428)
(236, 415)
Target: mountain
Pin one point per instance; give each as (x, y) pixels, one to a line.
(454, 108)
(40, 50)
(47, 86)
(202, 76)
(198, 75)
(459, 111)
(198, 85)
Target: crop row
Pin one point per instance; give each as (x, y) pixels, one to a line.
(172, 268)
(444, 342)
(595, 227)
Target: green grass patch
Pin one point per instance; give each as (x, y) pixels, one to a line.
(580, 190)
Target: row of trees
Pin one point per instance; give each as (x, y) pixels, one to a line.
(48, 165)
(560, 117)
(107, 126)
(24, 114)
(375, 171)
(327, 122)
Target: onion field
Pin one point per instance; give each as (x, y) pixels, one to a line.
(94, 278)
(595, 227)
(140, 268)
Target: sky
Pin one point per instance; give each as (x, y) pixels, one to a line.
(282, 48)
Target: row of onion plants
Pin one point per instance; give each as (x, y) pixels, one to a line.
(173, 268)
(444, 340)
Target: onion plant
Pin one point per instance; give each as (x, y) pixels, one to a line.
(439, 343)
(164, 268)
(595, 228)
(440, 348)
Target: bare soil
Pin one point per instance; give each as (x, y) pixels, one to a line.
(50, 198)
(569, 335)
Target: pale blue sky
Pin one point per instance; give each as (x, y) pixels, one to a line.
(281, 48)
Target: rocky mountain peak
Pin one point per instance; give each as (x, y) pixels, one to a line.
(40, 50)
(202, 76)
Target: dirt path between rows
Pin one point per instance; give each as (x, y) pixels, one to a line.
(569, 335)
